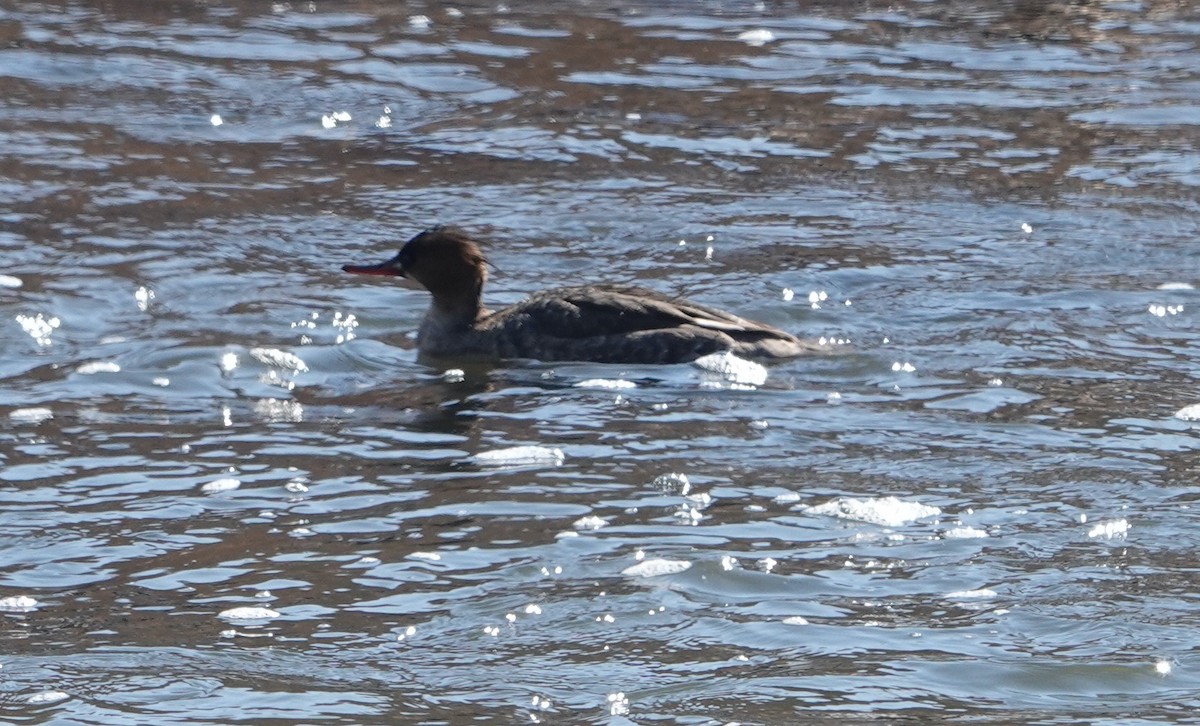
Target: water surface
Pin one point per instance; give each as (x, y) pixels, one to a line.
(980, 509)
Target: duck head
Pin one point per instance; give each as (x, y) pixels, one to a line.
(444, 260)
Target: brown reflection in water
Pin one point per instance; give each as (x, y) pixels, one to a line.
(221, 178)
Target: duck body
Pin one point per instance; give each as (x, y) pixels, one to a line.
(592, 323)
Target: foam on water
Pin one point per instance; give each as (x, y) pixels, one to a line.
(888, 511)
(519, 456)
(732, 368)
(980, 594)
(18, 604)
(756, 37)
(656, 567)
(611, 384)
(674, 482)
(275, 410)
(1191, 412)
(248, 613)
(31, 415)
(964, 533)
(93, 367)
(216, 486)
(589, 523)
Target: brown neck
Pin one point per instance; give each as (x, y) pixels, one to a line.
(460, 309)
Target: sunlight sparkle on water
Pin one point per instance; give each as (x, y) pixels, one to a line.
(10, 281)
(346, 325)
(618, 704)
(38, 327)
(330, 121)
(1110, 529)
(216, 119)
(1162, 311)
(143, 295)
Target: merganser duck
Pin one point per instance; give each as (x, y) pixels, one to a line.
(591, 323)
